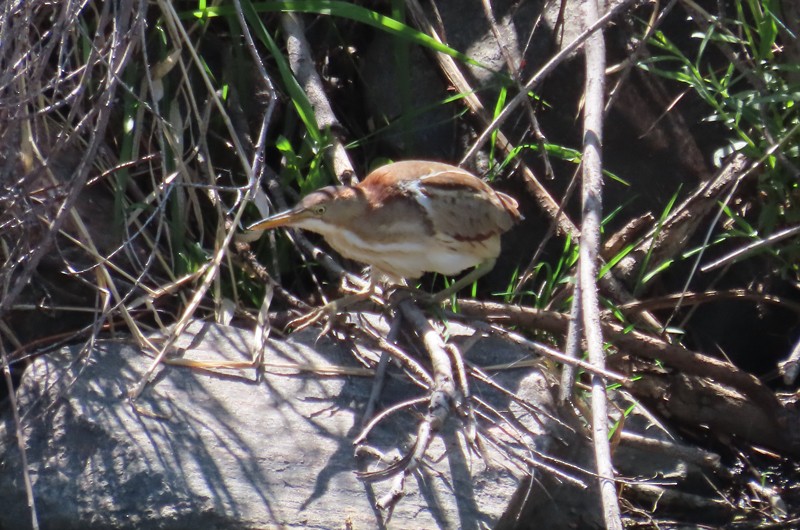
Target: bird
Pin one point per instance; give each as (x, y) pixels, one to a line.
(405, 219)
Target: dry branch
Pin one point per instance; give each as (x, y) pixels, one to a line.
(591, 199)
(784, 421)
(671, 237)
(302, 64)
(543, 198)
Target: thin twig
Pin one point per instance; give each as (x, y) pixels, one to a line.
(302, 63)
(213, 266)
(380, 372)
(573, 345)
(631, 60)
(521, 442)
(791, 366)
(595, 54)
(440, 402)
(690, 298)
(23, 453)
(543, 349)
(514, 70)
(751, 248)
(543, 72)
(371, 423)
(535, 411)
(733, 187)
(417, 372)
(645, 346)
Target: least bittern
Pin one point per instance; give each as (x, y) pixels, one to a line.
(406, 219)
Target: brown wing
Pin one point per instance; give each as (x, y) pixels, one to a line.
(468, 209)
(407, 170)
(458, 203)
(389, 180)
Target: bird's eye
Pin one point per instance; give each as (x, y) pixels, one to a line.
(319, 210)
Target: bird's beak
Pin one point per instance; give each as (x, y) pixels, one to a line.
(286, 218)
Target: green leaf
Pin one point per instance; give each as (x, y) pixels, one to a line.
(349, 11)
(299, 99)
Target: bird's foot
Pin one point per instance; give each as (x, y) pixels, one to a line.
(402, 293)
(349, 287)
(326, 314)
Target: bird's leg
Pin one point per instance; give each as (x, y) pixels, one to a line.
(468, 279)
(331, 309)
(348, 286)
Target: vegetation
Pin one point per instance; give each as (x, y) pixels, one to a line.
(138, 139)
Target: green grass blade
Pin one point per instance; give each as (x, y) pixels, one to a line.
(349, 11)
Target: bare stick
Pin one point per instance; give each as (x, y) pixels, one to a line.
(302, 64)
(23, 454)
(443, 380)
(543, 72)
(791, 366)
(442, 398)
(751, 248)
(371, 423)
(543, 349)
(648, 347)
(380, 373)
(224, 241)
(572, 348)
(684, 453)
(595, 53)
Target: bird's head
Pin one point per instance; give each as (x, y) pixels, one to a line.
(324, 211)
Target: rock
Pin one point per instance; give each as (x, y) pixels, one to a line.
(218, 450)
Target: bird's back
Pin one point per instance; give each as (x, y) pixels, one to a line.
(431, 217)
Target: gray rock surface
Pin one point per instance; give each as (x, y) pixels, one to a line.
(218, 450)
